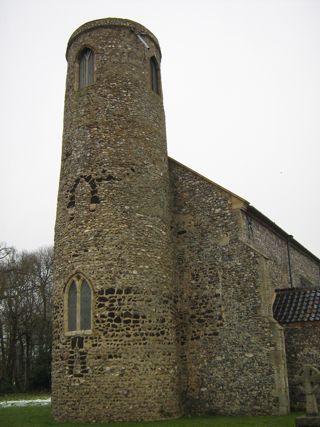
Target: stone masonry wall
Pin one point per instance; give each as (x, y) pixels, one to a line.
(302, 347)
(182, 277)
(305, 268)
(232, 352)
(301, 342)
(113, 228)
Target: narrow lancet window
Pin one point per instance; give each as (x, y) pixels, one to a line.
(78, 305)
(85, 306)
(72, 307)
(86, 68)
(154, 69)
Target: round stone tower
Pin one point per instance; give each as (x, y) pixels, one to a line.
(115, 349)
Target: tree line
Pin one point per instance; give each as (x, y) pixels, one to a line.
(25, 319)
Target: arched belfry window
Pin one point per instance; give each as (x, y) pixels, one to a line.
(86, 68)
(78, 305)
(154, 71)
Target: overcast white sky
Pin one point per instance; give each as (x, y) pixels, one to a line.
(241, 83)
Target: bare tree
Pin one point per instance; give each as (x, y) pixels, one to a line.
(4, 250)
(25, 319)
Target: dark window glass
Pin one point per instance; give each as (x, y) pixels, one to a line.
(85, 306)
(72, 307)
(154, 75)
(86, 68)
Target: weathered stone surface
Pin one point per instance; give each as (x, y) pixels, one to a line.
(229, 340)
(303, 347)
(113, 226)
(183, 271)
(308, 379)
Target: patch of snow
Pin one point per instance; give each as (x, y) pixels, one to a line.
(35, 402)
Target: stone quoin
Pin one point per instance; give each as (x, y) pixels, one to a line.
(172, 295)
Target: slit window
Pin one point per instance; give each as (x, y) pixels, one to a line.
(78, 305)
(154, 69)
(85, 306)
(86, 68)
(72, 307)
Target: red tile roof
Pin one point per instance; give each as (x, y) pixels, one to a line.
(296, 305)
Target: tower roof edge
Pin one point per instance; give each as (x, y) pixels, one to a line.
(112, 22)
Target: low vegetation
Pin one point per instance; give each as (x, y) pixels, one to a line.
(41, 417)
(23, 396)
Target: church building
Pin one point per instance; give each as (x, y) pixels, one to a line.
(172, 295)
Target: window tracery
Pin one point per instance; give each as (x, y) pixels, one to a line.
(78, 305)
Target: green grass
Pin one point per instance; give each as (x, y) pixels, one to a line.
(40, 416)
(24, 396)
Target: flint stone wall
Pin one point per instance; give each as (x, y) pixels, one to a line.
(183, 276)
(302, 347)
(232, 351)
(283, 255)
(113, 227)
(288, 266)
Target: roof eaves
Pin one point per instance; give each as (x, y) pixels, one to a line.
(245, 206)
(253, 212)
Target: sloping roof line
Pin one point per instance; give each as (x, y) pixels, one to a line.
(297, 305)
(254, 213)
(245, 202)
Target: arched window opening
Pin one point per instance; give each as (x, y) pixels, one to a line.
(154, 69)
(86, 68)
(78, 305)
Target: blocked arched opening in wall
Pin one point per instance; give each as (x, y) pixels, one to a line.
(87, 180)
(78, 305)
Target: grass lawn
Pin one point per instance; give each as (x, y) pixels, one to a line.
(24, 396)
(37, 416)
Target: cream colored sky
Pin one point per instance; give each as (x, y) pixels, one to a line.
(241, 82)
